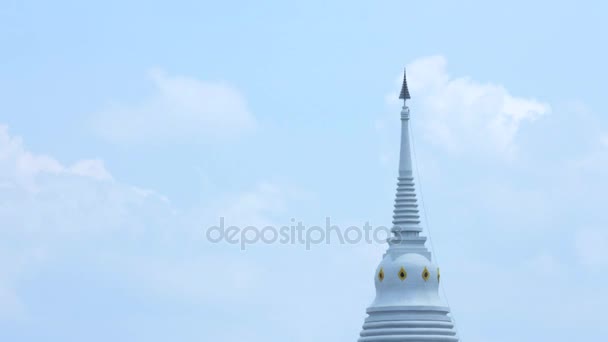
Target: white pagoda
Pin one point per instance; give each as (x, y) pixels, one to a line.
(407, 306)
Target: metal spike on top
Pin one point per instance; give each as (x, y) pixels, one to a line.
(405, 93)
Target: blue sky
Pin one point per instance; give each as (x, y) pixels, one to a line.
(126, 129)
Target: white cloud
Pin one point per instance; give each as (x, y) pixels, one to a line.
(181, 109)
(46, 205)
(93, 168)
(459, 113)
(39, 193)
(20, 168)
(53, 215)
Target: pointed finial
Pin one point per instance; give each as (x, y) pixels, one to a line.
(405, 93)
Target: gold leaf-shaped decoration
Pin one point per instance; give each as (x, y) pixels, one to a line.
(426, 274)
(402, 274)
(438, 275)
(381, 274)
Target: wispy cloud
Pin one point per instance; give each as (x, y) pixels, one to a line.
(41, 194)
(20, 167)
(181, 109)
(57, 214)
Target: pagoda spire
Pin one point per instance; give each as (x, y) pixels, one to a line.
(406, 217)
(405, 93)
